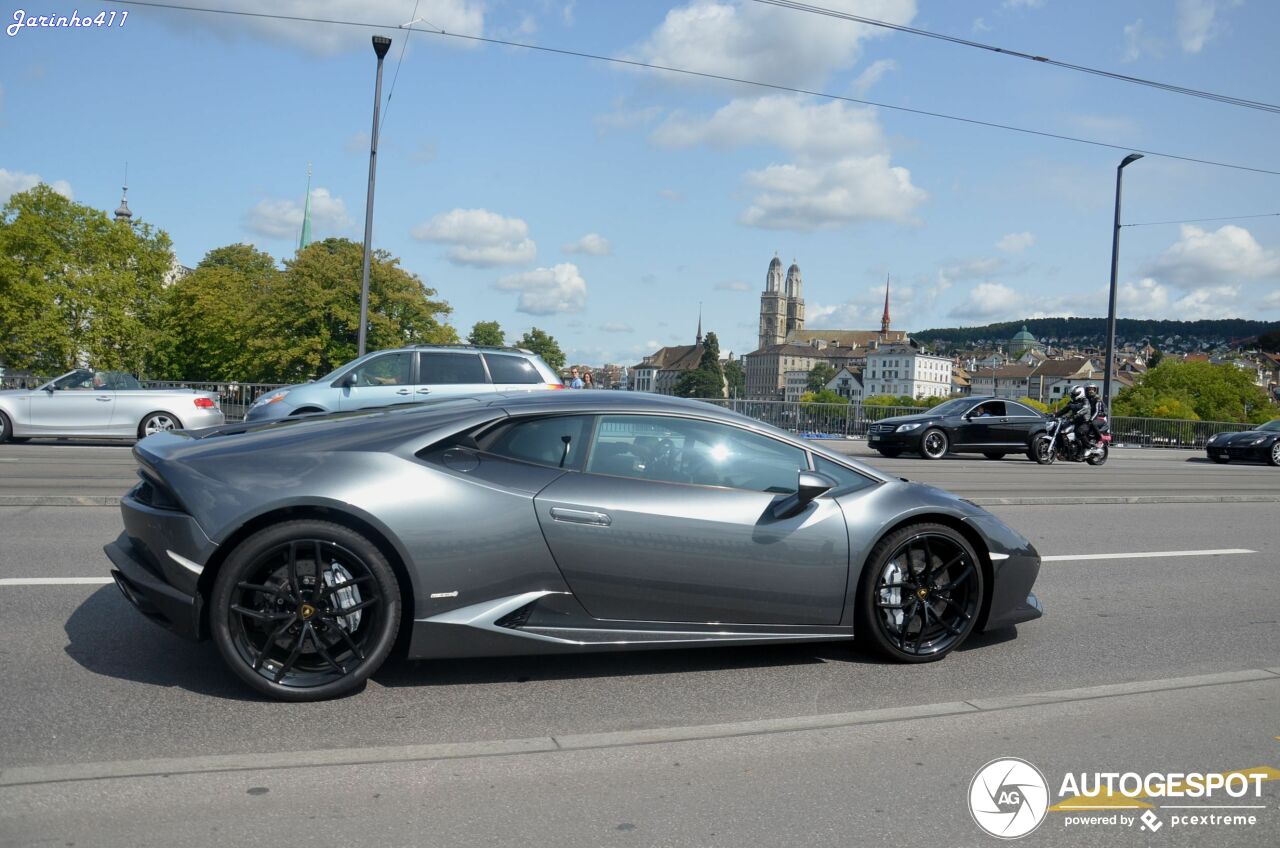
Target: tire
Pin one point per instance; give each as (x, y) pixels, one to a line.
(6, 429)
(1099, 460)
(1040, 451)
(994, 455)
(896, 592)
(1221, 460)
(282, 627)
(157, 422)
(1273, 458)
(934, 444)
(891, 453)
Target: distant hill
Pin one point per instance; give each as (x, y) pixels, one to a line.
(1170, 336)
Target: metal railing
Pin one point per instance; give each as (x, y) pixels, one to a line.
(234, 398)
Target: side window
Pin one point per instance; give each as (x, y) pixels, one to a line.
(393, 369)
(559, 442)
(678, 450)
(847, 480)
(993, 408)
(442, 369)
(1021, 411)
(506, 368)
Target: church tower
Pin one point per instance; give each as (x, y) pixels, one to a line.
(884, 319)
(795, 300)
(773, 307)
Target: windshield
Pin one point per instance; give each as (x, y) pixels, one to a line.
(1270, 426)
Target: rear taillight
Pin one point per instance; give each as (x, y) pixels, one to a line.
(206, 403)
(555, 385)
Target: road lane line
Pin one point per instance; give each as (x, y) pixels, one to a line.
(1146, 555)
(54, 581)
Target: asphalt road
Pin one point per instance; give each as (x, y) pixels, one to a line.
(88, 681)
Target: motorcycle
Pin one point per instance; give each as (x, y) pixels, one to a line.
(1059, 441)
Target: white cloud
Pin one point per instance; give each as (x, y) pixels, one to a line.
(825, 196)
(592, 244)
(796, 123)
(738, 38)
(1201, 258)
(733, 286)
(980, 25)
(547, 291)
(1016, 242)
(480, 237)
(282, 219)
(1198, 22)
(617, 327)
(12, 182)
(465, 17)
(1147, 298)
(1208, 302)
(872, 75)
(990, 301)
(1023, 4)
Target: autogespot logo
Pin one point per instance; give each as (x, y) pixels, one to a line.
(1008, 798)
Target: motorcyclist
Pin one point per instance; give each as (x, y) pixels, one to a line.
(1078, 414)
(1091, 433)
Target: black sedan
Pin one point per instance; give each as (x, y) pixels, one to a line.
(544, 523)
(990, 426)
(1262, 444)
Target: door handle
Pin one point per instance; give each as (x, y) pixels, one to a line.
(424, 391)
(581, 516)
(103, 399)
(402, 391)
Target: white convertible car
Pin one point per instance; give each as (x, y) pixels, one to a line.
(102, 404)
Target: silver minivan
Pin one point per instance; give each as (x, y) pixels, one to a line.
(410, 375)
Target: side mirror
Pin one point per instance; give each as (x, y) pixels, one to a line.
(348, 380)
(809, 485)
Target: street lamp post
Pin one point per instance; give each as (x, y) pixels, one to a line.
(1111, 306)
(381, 44)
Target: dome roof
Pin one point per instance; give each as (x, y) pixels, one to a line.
(794, 269)
(775, 263)
(1024, 336)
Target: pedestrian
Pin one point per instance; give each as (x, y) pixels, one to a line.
(588, 382)
(575, 382)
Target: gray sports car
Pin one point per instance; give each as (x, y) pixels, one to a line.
(545, 523)
(87, 403)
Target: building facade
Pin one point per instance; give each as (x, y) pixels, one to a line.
(902, 369)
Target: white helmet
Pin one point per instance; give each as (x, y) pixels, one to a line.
(1077, 393)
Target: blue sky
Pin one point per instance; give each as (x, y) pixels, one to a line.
(603, 203)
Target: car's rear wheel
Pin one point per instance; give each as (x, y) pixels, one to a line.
(305, 610)
(920, 593)
(6, 428)
(891, 453)
(934, 444)
(158, 422)
(993, 455)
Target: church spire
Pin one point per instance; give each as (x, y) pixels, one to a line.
(699, 341)
(123, 213)
(884, 319)
(305, 238)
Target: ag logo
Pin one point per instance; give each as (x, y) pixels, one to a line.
(1008, 798)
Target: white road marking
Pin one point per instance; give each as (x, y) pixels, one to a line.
(53, 581)
(1146, 555)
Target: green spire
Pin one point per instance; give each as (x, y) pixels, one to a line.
(306, 214)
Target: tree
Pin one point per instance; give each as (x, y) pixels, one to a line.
(545, 345)
(487, 334)
(823, 396)
(308, 317)
(735, 377)
(819, 375)
(76, 286)
(1034, 404)
(707, 380)
(1154, 359)
(1198, 390)
(1270, 342)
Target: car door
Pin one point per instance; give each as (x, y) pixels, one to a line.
(79, 404)
(980, 424)
(448, 373)
(1015, 428)
(381, 381)
(671, 520)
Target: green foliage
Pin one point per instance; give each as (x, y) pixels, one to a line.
(1033, 403)
(545, 345)
(1270, 342)
(903, 400)
(77, 286)
(736, 378)
(819, 375)
(707, 380)
(1154, 359)
(486, 333)
(823, 396)
(1195, 390)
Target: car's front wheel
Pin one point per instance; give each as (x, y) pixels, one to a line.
(1273, 458)
(934, 444)
(305, 610)
(920, 593)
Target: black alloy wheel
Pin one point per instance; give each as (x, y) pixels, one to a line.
(920, 593)
(993, 455)
(934, 444)
(305, 610)
(1273, 458)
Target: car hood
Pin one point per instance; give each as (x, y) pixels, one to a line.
(1246, 437)
(908, 419)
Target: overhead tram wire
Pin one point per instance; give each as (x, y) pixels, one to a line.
(1018, 54)
(404, 45)
(711, 76)
(1204, 220)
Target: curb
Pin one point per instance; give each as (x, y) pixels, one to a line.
(167, 767)
(59, 500)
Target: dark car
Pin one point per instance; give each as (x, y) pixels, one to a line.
(548, 522)
(1262, 444)
(990, 426)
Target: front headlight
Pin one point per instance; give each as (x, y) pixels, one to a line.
(1214, 438)
(906, 428)
(274, 397)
